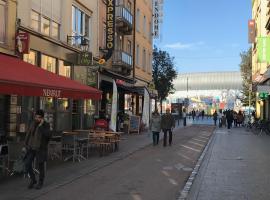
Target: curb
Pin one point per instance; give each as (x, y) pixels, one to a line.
(185, 191)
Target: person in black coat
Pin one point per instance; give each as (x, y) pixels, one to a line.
(36, 142)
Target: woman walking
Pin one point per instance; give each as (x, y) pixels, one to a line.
(155, 127)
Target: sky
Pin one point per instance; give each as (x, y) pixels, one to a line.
(205, 35)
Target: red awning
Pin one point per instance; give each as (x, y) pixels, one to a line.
(21, 78)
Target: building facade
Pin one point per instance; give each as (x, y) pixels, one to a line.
(260, 60)
(8, 10)
(58, 31)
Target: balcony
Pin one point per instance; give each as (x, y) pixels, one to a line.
(124, 20)
(122, 63)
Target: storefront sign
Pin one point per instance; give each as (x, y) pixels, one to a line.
(263, 49)
(22, 42)
(251, 31)
(91, 77)
(157, 17)
(85, 59)
(110, 28)
(51, 93)
(120, 82)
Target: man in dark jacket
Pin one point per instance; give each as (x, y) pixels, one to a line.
(36, 142)
(167, 124)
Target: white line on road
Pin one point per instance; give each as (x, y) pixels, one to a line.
(190, 148)
(202, 137)
(165, 173)
(172, 181)
(199, 140)
(196, 143)
(188, 158)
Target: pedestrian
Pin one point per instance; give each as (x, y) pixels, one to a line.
(36, 143)
(220, 118)
(215, 117)
(193, 113)
(184, 114)
(203, 114)
(167, 124)
(155, 126)
(229, 117)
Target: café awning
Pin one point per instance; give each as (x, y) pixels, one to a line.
(21, 78)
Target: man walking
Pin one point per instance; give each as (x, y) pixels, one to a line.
(167, 124)
(36, 142)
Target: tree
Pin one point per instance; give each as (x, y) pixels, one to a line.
(246, 73)
(163, 74)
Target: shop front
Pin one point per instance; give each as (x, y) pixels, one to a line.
(25, 88)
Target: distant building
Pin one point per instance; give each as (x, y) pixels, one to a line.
(208, 90)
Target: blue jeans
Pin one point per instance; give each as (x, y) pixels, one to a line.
(155, 137)
(165, 137)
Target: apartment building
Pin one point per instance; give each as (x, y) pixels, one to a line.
(143, 49)
(261, 55)
(56, 41)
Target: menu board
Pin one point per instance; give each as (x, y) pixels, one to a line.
(134, 124)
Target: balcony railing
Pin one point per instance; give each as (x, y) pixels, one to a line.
(122, 62)
(124, 19)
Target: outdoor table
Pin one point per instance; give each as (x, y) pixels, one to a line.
(73, 145)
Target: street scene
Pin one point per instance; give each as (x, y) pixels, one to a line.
(134, 99)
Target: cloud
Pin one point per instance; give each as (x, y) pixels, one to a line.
(182, 46)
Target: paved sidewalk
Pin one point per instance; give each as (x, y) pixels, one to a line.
(64, 173)
(235, 167)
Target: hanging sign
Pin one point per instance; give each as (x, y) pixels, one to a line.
(22, 42)
(110, 28)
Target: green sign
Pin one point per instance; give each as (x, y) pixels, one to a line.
(263, 95)
(85, 59)
(263, 49)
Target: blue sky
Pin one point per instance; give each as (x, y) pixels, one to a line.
(205, 35)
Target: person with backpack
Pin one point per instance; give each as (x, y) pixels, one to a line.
(36, 143)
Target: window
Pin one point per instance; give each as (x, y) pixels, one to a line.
(129, 47)
(35, 20)
(55, 30)
(64, 70)
(2, 21)
(138, 19)
(138, 55)
(48, 63)
(45, 26)
(30, 58)
(150, 32)
(144, 59)
(144, 25)
(80, 25)
(150, 63)
(62, 104)
(104, 36)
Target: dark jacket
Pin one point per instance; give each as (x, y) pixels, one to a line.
(167, 121)
(37, 138)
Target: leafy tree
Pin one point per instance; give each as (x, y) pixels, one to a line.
(163, 74)
(246, 72)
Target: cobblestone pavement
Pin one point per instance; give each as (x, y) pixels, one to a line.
(236, 167)
(137, 171)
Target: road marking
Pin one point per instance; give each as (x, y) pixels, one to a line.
(179, 166)
(172, 181)
(202, 137)
(136, 197)
(196, 143)
(165, 173)
(184, 156)
(199, 140)
(168, 168)
(191, 148)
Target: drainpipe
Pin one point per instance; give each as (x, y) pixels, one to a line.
(134, 50)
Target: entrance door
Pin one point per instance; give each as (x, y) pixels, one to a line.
(3, 114)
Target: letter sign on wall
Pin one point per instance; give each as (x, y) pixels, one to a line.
(110, 28)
